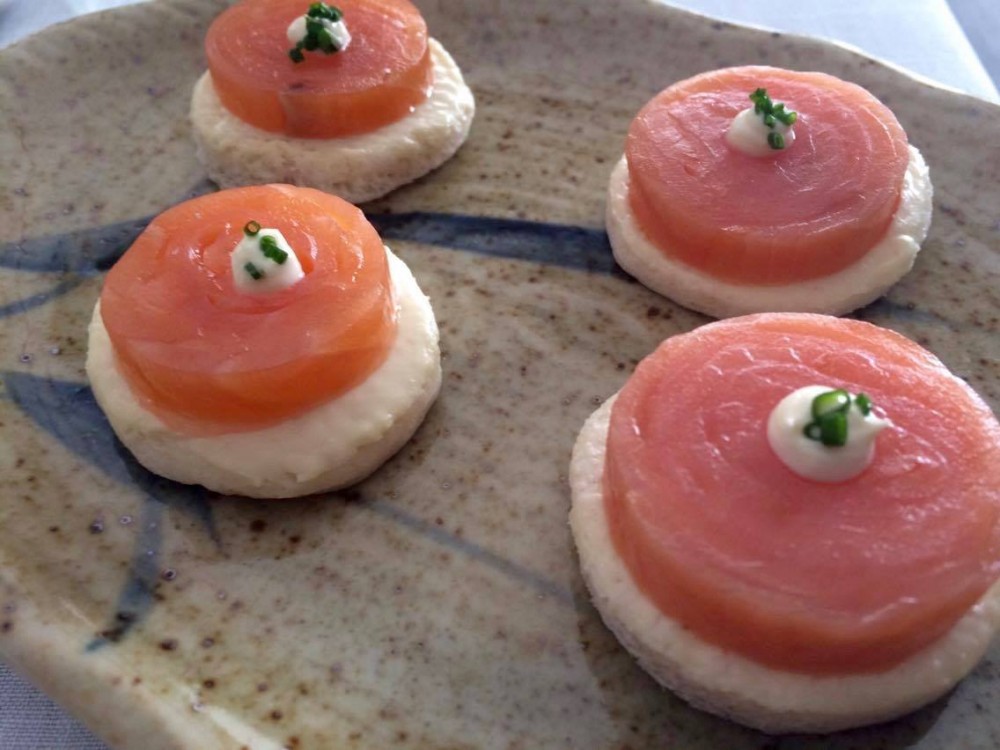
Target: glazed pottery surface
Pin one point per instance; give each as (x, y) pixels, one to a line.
(438, 604)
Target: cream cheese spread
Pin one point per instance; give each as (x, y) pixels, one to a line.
(748, 133)
(812, 459)
(264, 262)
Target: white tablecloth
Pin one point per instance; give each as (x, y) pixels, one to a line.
(919, 35)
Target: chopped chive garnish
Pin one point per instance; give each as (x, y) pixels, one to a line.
(313, 29)
(325, 42)
(829, 402)
(318, 35)
(322, 10)
(251, 228)
(864, 403)
(255, 273)
(833, 429)
(772, 114)
(829, 412)
(269, 246)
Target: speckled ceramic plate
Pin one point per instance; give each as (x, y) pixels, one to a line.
(439, 604)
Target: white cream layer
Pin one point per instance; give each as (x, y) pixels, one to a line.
(248, 258)
(749, 134)
(812, 459)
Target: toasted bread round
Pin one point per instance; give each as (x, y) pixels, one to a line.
(727, 684)
(855, 286)
(357, 168)
(334, 445)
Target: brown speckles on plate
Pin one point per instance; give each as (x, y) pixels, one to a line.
(445, 588)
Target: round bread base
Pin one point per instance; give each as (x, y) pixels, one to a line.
(855, 286)
(357, 168)
(334, 445)
(729, 685)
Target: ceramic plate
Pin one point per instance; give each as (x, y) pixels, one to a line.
(439, 604)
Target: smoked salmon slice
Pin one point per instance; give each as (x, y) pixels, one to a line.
(382, 75)
(208, 359)
(798, 575)
(806, 211)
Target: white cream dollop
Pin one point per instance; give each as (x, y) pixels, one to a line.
(248, 259)
(748, 133)
(337, 29)
(810, 458)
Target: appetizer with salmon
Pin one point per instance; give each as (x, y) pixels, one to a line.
(352, 98)
(793, 520)
(757, 189)
(262, 341)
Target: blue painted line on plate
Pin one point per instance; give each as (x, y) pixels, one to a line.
(84, 251)
(90, 251)
(553, 244)
(87, 252)
(137, 596)
(69, 412)
(470, 549)
(21, 306)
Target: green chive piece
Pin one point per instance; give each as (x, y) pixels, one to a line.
(313, 30)
(325, 41)
(864, 403)
(269, 247)
(317, 37)
(255, 273)
(760, 100)
(829, 412)
(829, 402)
(833, 429)
(773, 113)
(322, 10)
(251, 228)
